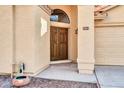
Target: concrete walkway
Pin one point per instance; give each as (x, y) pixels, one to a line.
(66, 71)
(110, 76)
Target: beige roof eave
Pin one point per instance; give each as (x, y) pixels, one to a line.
(106, 8)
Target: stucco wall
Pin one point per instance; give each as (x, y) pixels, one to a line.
(6, 39)
(31, 48)
(114, 15)
(42, 43)
(72, 37)
(86, 39)
(21, 40)
(25, 36)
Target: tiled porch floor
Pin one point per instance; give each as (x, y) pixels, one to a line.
(66, 71)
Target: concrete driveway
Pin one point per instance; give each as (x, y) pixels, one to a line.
(110, 76)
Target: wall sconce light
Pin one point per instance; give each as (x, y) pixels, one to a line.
(76, 31)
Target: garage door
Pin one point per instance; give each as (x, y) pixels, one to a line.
(109, 46)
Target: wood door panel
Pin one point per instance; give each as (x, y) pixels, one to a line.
(63, 50)
(59, 43)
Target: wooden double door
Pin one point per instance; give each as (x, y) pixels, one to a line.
(58, 43)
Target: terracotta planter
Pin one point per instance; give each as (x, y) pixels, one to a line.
(19, 81)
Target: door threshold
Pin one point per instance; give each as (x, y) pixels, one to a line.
(60, 61)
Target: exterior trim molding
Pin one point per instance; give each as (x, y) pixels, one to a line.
(90, 61)
(46, 9)
(109, 7)
(86, 67)
(106, 8)
(110, 24)
(40, 70)
(60, 61)
(59, 24)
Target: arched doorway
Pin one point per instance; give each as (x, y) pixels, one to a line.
(59, 15)
(59, 35)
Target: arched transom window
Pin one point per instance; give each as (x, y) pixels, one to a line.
(59, 16)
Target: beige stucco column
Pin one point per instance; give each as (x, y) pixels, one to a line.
(86, 39)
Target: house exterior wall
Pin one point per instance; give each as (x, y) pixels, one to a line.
(72, 37)
(24, 37)
(28, 44)
(42, 43)
(86, 39)
(109, 38)
(6, 39)
(32, 48)
(21, 41)
(114, 15)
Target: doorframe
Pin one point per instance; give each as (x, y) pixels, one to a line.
(61, 25)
